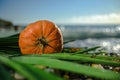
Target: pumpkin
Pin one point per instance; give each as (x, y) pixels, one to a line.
(41, 37)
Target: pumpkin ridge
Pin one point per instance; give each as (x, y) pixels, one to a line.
(43, 24)
(43, 49)
(34, 35)
(34, 40)
(42, 28)
(51, 31)
(52, 47)
(37, 50)
(28, 46)
(33, 50)
(53, 40)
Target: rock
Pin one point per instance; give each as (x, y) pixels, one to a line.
(18, 76)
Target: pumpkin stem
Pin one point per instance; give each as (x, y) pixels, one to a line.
(42, 42)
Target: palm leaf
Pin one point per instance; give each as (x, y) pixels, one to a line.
(68, 66)
(4, 75)
(28, 71)
(67, 56)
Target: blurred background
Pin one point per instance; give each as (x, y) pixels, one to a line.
(88, 22)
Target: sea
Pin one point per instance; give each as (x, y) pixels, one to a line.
(105, 35)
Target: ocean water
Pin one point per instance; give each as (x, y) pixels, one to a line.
(106, 36)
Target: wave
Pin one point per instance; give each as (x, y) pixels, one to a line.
(91, 31)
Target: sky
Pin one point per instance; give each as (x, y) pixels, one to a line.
(61, 11)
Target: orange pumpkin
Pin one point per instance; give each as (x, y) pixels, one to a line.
(41, 37)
